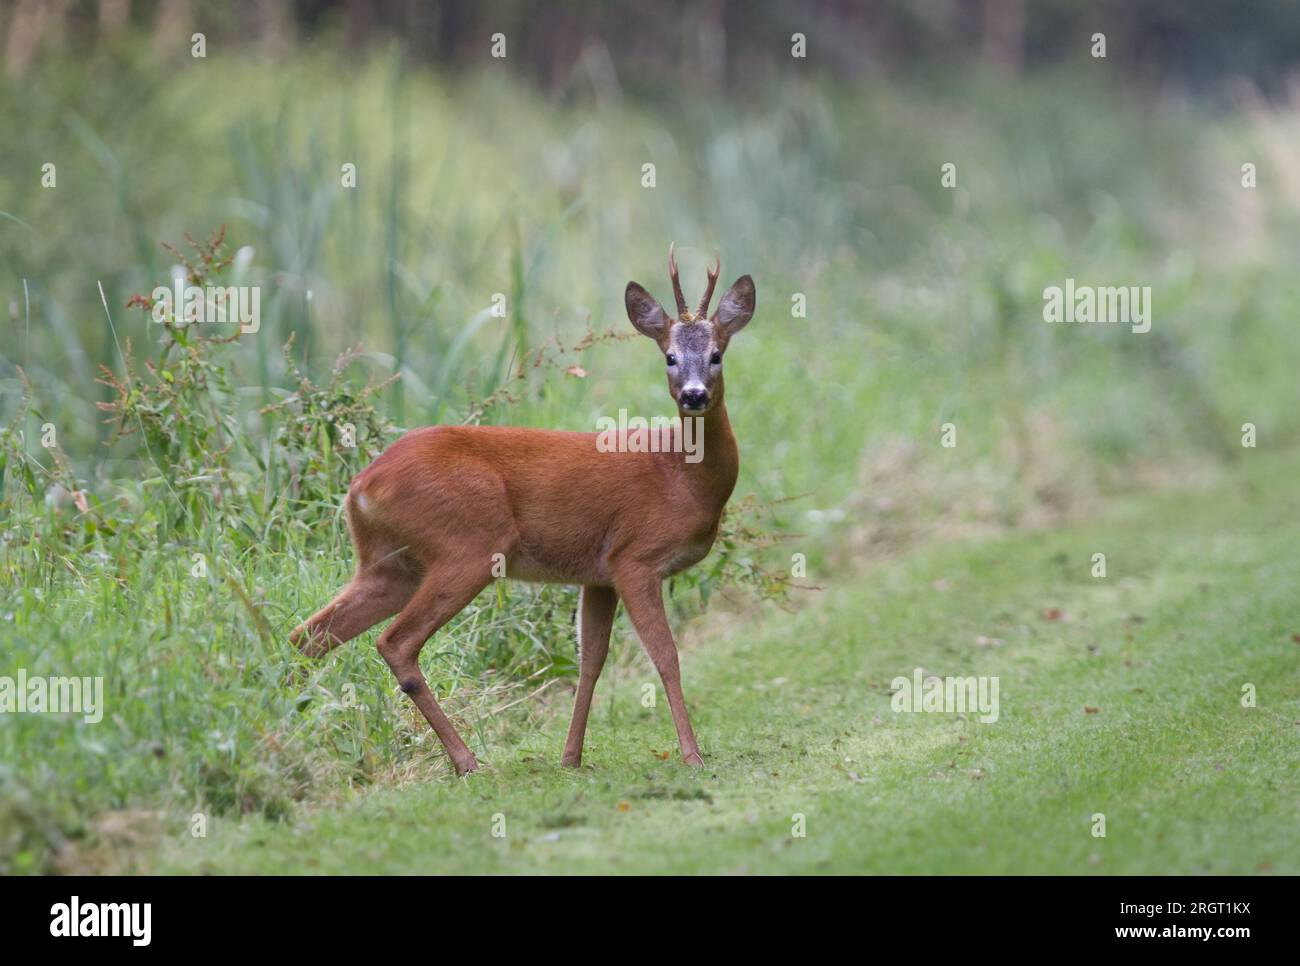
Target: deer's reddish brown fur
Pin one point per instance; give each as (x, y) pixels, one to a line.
(433, 513)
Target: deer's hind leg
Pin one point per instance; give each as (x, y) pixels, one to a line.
(385, 580)
(443, 593)
(371, 596)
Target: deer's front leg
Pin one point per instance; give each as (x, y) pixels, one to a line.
(642, 595)
(596, 608)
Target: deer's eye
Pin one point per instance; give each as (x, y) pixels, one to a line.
(715, 359)
(672, 359)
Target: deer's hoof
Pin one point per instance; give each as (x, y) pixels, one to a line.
(693, 759)
(465, 765)
(308, 643)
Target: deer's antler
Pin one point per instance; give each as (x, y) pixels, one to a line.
(677, 283)
(703, 311)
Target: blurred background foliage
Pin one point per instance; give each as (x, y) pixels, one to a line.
(522, 176)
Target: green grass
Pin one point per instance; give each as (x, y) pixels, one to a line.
(794, 717)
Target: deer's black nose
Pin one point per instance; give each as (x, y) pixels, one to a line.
(694, 398)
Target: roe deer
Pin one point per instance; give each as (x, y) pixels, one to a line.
(430, 515)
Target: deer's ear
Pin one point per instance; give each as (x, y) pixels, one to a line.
(736, 307)
(645, 312)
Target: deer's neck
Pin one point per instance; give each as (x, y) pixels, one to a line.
(713, 477)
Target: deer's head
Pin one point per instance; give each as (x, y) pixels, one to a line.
(693, 344)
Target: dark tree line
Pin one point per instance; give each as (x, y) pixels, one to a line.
(707, 42)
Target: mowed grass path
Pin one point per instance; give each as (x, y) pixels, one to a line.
(1127, 703)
